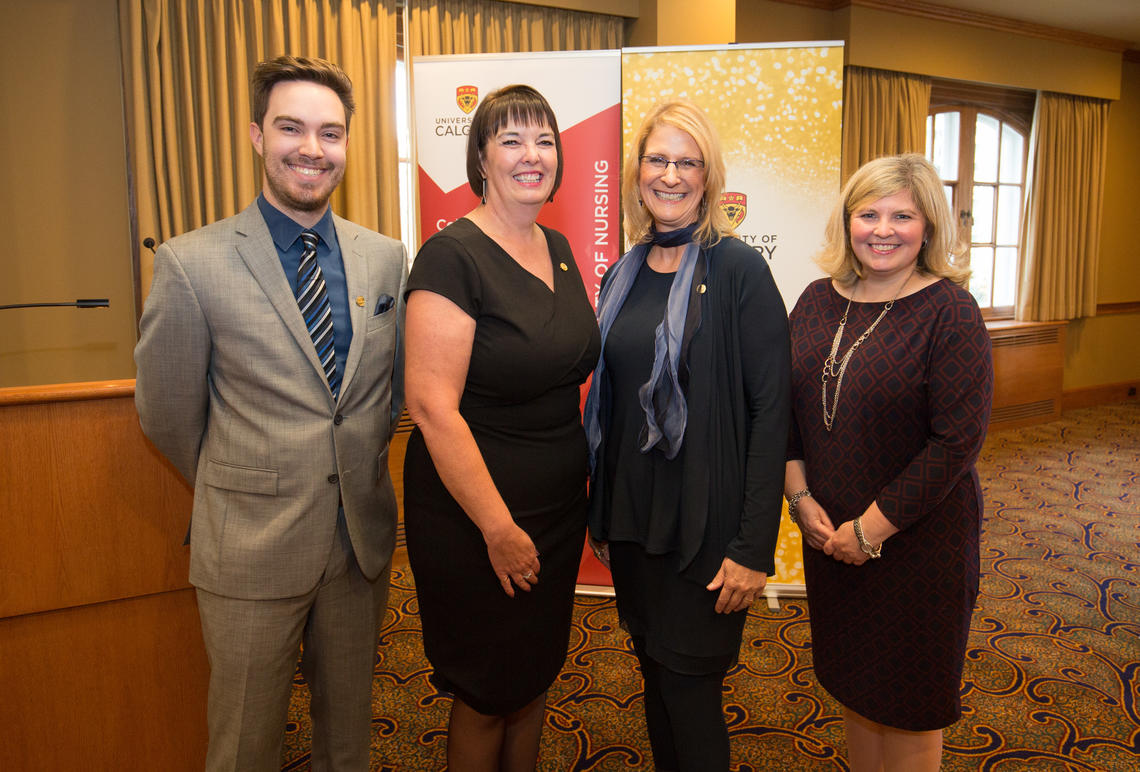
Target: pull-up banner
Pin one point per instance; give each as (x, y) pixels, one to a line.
(583, 89)
(778, 112)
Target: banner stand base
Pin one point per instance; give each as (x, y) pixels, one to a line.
(772, 592)
(594, 590)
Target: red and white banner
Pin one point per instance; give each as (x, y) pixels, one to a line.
(582, 87)
(584, 90)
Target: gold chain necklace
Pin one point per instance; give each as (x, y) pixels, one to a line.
(829, 370)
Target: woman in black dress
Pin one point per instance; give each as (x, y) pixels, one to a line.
(500, 335)
(687, 419)
(892, 381)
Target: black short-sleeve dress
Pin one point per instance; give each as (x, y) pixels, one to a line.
(532, 350)
(889, 636)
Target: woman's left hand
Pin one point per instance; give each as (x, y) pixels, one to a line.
(844, 546)
(601, 550)
(739, 586)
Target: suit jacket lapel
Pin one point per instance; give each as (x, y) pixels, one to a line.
(356, 277)
(256, 248)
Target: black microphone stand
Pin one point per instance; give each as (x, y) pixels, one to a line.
(81, 303)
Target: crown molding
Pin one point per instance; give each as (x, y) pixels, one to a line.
(973, 19)
(626, 8)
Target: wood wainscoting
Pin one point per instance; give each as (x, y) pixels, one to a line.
(101, 655)
(1103, 394)
(1029, 366)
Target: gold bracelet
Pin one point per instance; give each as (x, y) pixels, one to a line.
(793, 502)
(874, 552)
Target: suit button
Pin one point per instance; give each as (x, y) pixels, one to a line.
(334, 478)
(338, 419)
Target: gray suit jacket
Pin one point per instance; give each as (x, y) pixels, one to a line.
(229, 388)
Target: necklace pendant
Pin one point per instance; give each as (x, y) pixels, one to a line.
(829, 364)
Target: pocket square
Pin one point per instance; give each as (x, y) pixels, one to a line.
(383, 303)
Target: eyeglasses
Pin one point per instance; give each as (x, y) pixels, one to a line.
(684, 165)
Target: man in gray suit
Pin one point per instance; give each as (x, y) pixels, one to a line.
(269, 373)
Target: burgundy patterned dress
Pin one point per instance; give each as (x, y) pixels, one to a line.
(889, 636)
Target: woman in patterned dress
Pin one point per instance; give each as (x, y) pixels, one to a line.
(892, 380)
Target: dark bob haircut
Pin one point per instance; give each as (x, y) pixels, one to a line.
(518, 103)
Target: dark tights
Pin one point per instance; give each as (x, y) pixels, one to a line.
(684, 717)
(477, 742)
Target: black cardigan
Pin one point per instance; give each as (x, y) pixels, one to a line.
(738, 393)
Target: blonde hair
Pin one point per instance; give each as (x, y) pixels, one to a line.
(712, 223)
(887, 176)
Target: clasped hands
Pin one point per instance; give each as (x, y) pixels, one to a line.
(819, 533)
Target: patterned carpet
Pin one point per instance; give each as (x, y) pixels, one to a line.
(1051, 679)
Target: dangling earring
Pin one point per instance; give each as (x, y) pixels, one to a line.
(484, 190)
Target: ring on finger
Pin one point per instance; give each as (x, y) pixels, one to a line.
(528, 575)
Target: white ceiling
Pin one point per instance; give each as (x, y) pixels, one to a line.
(1119, 19)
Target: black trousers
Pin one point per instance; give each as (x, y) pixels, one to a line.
(684, 717)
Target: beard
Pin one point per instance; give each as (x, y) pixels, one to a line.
(299, 195)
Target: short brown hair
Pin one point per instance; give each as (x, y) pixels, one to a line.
(510, 103)
(269, 73)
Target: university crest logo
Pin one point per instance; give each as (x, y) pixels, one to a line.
(467, 97)
(735, 207)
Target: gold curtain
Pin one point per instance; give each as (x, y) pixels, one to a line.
(884, 113)
(186, 70)
(1061, 223)
(440, 27)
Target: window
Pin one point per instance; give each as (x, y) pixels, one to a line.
(407, 169)
(978, 144)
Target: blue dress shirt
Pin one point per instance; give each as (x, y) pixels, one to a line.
(286, 233)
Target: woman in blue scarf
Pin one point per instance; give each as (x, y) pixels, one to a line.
(687, 420)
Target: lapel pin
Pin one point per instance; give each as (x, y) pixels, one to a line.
(360, 300)
(701, 289)
(563, 266)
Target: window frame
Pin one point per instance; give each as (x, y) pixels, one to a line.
(1013, 107)
(962, 187)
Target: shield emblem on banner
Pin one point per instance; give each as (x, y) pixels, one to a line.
(467, 97)
(735, 207)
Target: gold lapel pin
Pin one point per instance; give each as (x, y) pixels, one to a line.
(360, 300)
(701, 289)
(563, 266)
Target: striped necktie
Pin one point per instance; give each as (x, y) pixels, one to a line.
(313, 299)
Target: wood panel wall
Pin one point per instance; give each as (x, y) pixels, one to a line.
(1029, 366)
(101, 655)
